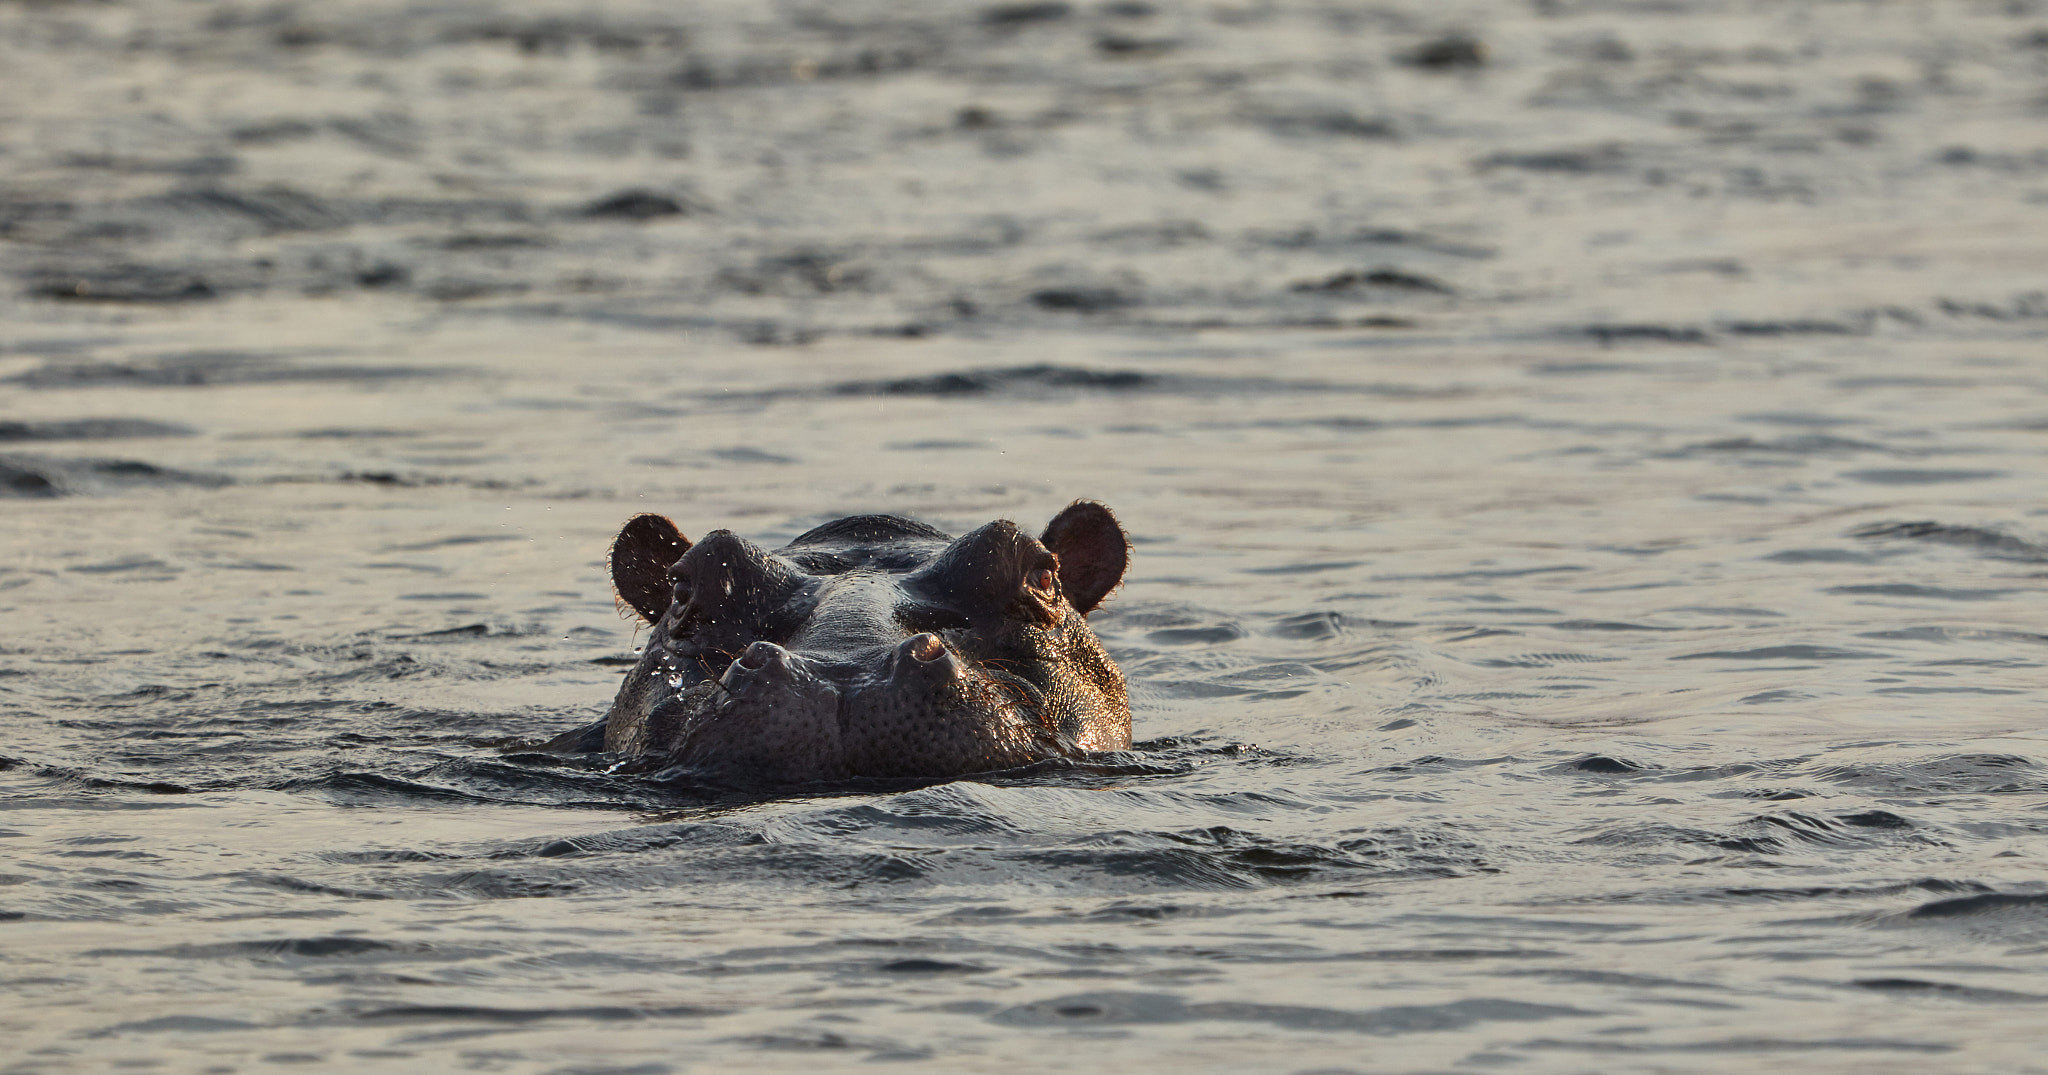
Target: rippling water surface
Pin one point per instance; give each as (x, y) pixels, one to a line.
(1584, 461)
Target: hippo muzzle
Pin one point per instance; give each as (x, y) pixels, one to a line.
(872, 646)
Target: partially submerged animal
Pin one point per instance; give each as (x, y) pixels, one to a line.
(872, 646)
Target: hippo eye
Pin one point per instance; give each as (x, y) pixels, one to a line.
(1041, 580)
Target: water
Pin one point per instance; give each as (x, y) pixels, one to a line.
(1586, 611)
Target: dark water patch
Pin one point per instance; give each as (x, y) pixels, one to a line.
(1946, 690)
(1353, 280)
(939, 445)
(685, 835)
(386, 856)
(1610, 334)
(1954, 634)
(1823, 556)
(1084, 300)
(1313, 122)
(392, 479)
(1124, 1009)
(1212, 635)
(1010, 380)
(1543, 660)
(465, 1013)
(1799, 894)
(508, 781)
(808, 1040)
(636, 205)
(1165, 234)
(121, 566)
(1981, 540)
(466, 631)
(1924, 383)
(1912, 476)
(1051, 381)
(469, 781)
(1608, 625)
(131, 284)
(1601, 764)
(197, 165)
(2005, 920)
(1784, 653)
(472, 241)
(1932, 593)
(206, 369)
(1573, 369)
(744, 454)
(1989, 904)
(272, 132)
(1804, 444)
(1307, 237)
(802, 272)
(930, 966)
(91, 429)
(291, 949)
(501, 885)
(557, 35)
(1659, 835)
(2029, 306)
(1447, 53)
(1592, 160)
(346, 433)
(1918, 987)
(287, 883)
(1868, 829)
(1742, 1046)
(1796, 327)
(458, 540)
(35, 476)
(174, 1024)
(1875, 819)
(725, 70)
(1579, 976)
(1129, 46)
(1481, 573)
(893, 844)
(1435, 763)
(20, 481)
(69, 777)
(1800, 418)
(272, 210)
(1030, 12)
(1953, 774)
(1311, 626)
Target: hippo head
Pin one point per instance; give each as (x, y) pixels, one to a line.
(871, 646)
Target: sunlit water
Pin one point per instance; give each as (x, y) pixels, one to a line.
(1601, 632)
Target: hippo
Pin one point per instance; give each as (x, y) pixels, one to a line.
(872, 646)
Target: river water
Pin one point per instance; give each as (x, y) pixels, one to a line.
(1584, 460)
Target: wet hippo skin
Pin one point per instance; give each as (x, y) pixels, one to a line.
(871, 646)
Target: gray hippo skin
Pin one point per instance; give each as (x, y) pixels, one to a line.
(873, 646)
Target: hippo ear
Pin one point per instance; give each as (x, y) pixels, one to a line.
(646, 548)
(1093, 552)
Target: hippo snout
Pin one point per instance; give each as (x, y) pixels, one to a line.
(870, 646)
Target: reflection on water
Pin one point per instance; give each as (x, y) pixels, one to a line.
(1582, 463)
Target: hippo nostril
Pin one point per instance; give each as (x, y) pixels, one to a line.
(925, 647)
(759, 655)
